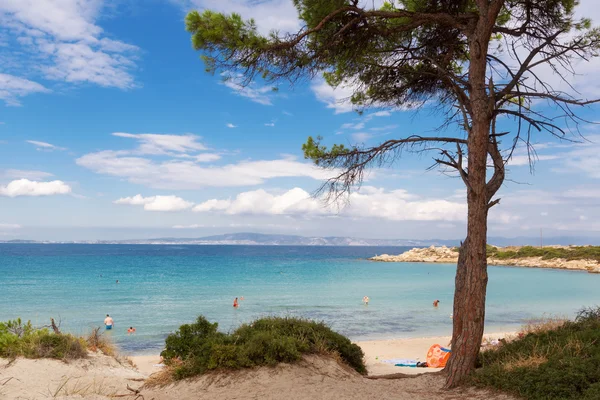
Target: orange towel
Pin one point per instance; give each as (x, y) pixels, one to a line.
(436, 357)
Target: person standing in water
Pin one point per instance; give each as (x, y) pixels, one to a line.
(235, 303)
(366, 300)
(108, 322)
(435, 303)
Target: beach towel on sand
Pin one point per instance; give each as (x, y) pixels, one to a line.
(401, 362)
(437, 356)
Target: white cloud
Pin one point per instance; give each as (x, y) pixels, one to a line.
(176, 174)
(23, 174)
(270, 124)
(378, 114)
(523, 159)
(4, 227)
(583, 193)
(25, 187)
(13, 87)
(351, 125)
(160, 144)
(156, 203)
(230, 125)
(361, 136)
(583, 158)
(193, 226)
(62, 40)
(383, 128)
(397, 205)
(253, 91)
(336, 98)
(44, 146)
(207, 157)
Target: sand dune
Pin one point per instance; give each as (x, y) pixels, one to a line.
(316, 377)
(101, 377)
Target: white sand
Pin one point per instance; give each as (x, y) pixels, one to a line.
(413, 349)
(101, 377)
(48, 379)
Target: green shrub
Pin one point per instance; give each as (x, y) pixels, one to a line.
(197, 348)
(547, 253)
(561, 363)
(23, 340)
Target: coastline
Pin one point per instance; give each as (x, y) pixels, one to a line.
(446, 255)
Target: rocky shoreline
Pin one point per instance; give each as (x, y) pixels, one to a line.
(447, 255)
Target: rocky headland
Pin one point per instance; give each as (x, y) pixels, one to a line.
(449, 255)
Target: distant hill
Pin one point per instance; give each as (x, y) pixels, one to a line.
(288, 240)
(260, 239)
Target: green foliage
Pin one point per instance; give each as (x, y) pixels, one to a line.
(406, 54)
(315, 151)
(215, 30)
(547, 253)
(563, 363)
(18, 339)
(197, 348)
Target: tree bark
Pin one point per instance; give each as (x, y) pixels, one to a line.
(469, 298)
(471, 273)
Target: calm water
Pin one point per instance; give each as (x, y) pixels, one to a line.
(162, 287)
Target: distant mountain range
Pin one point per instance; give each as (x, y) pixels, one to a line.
(292, 240)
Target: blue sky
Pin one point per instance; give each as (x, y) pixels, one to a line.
(111, 129)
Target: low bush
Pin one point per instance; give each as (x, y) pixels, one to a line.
(199, 347)
(18, 339)
(547, 253)
(561, 362)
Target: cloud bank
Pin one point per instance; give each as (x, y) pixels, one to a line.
(25, 187)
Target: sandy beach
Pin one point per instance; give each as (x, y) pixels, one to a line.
(376, 351)
(316, 377)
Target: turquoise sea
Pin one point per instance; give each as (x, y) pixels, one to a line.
(163, 286)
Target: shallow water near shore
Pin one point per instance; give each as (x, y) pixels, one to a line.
(161, 287)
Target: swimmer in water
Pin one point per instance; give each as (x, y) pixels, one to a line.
(108, 322)
(235, 303)
(435, 303)
(117, 281)
(366, 300)
(130, 330)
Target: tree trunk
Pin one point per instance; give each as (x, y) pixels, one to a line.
(471, 272)
(469, 298)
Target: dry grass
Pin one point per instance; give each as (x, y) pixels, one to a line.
(532, 361)
(161, 378)
(553, 359)
(96, 341)
(544, 324)
(72, 387)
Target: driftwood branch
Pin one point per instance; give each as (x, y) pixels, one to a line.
(54, 326)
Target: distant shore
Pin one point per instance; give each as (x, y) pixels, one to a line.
(449, 255)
